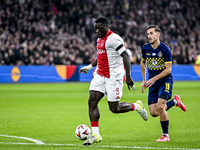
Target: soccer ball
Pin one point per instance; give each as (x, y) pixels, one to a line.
(83, 132)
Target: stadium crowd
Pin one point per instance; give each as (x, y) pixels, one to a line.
(49, 32)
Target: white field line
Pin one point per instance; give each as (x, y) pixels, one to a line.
(37, 142)
(103, 146)
(25, 138)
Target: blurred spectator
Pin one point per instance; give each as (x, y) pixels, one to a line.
(40, 32)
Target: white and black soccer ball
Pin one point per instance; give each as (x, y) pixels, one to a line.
(83, 132)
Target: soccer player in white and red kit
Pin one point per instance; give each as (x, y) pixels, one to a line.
(108, 79)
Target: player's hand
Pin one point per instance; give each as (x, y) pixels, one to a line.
(143, 86)
(150, 82)
(129, 82)
(85, 69)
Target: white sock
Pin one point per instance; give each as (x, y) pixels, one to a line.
(137, 106)
(95, 130)
(175, 102)
(166, 134)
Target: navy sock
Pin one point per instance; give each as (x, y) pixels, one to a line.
(165, 125)
(170, 104)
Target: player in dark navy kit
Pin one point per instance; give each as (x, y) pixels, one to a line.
(157, 56)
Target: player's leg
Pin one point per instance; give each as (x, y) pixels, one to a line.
(152, 101)
(114, 93)
(122, 107)
(164, 120)
(96, 92)
(161, 108)
(117, 107)
(95, 97)
(153, 110)
(164, 94)
(176, 101)
(94, 114)
(157, 98)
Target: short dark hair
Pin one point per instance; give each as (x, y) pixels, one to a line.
(102, 20)
(157, 28)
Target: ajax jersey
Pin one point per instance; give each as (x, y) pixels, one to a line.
(109, 61)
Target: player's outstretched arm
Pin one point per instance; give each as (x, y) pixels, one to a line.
(85, 69)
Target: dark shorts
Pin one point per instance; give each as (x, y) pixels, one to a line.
(160, 89)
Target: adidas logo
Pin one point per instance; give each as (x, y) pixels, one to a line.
(117, 97)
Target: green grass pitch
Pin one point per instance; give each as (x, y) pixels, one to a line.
(50, 113)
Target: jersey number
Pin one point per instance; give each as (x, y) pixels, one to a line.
(167, 87)
(117, 91)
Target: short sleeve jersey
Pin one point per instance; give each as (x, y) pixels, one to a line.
(109, 61)
(156, 59)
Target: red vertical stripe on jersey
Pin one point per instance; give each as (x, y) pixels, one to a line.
(103, 64)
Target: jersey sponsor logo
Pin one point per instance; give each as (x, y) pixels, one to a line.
(154, 54)
(148, 53)
(154, 62)
(100, 51)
